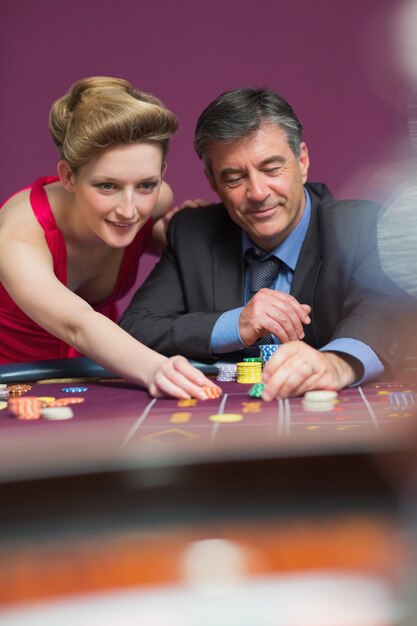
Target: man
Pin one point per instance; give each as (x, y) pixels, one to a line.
(327, 301)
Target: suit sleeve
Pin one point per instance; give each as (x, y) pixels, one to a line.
(375, 310)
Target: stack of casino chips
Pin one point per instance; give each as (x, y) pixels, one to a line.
(25, 408)
(4, 392)
(266, 351)
(227, 372)
(249, 371)
(18, 390)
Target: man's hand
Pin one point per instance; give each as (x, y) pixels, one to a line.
(271, 311)
(297, 367)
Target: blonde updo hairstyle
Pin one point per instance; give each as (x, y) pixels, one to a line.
(101, 112)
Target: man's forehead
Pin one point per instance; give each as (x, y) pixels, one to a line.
(267, 145)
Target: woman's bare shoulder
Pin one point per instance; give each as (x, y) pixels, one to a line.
(16, 215)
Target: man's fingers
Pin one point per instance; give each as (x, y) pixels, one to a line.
(288, 303)
(297, 367)
(288, 379)
(294, 369)
(273, 312)
(285, 326)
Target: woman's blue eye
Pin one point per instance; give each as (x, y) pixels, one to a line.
(148, 186)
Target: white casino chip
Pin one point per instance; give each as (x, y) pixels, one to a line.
(320, 395)
(57, 413)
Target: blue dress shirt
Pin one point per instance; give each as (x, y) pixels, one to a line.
(225, 336)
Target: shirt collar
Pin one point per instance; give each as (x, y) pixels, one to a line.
(289, 250)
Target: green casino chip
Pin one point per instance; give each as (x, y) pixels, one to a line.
(256, 390)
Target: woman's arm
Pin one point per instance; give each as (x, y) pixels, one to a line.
(26, 270)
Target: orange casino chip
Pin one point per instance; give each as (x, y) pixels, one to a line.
(66, 401)
(28, 408)
(211, 392)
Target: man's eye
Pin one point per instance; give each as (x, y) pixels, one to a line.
(272, 170)
(106, 186)
(234, 181)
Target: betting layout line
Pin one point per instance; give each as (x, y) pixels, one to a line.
(284, 417)
(138, 422)
(220, 410)
(287, 416)
(369, 408)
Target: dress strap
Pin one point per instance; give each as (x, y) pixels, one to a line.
(40, 203)
(54, 238)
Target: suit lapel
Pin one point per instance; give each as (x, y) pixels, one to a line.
(228, 270)
(308, 267)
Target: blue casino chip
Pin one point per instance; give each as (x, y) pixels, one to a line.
(74, 389)
(267, 350)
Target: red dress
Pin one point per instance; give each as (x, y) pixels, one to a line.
(21, 339)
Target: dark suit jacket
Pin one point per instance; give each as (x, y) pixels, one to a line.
(201, 275)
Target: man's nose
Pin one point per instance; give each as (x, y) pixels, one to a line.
(257, 190)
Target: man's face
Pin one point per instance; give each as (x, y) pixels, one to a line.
(260, 182)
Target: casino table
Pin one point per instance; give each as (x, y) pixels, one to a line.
(145, 509)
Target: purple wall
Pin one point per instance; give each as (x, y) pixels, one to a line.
(327, 57)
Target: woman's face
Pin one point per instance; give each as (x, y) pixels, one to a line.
(116, 192)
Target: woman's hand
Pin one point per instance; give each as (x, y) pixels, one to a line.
(163, 218)
(176, 377)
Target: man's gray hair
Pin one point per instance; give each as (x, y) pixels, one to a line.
(239, 113)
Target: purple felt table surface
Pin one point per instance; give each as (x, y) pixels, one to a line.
(119, 426)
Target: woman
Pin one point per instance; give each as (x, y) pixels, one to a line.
(69, 246)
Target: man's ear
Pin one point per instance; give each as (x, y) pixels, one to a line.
(304, 161)
(66, 175)
(164, 169)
